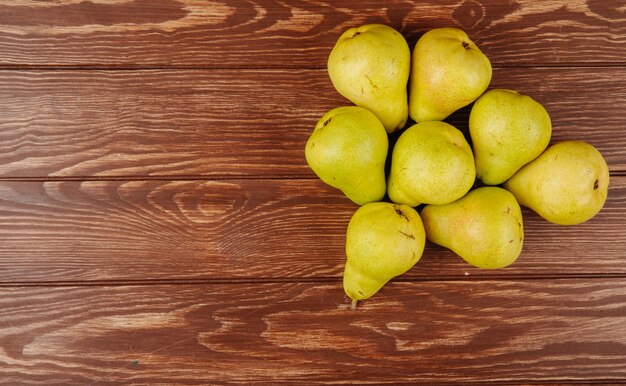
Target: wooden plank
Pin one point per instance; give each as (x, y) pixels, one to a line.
(268, 33)
(97, 123)
(305, 333)
(245, 229)
(237, 122)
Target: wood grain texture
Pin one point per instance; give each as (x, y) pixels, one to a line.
(236, 122)
(159, 224)
(245, 229)
(305, 333)
(268, 33)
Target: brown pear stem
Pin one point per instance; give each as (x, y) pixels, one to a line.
(353, 305)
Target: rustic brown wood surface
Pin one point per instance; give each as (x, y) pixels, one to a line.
(245, 229)
(269, 33)
(159, 224)
(121, 123)
(521, 331)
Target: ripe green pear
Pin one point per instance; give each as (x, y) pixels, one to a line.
(431, 163)
(508, 131)
(348, 150)
(567, 184)
(448, 71)
(370, 66)
(484, 227)
(383, 241)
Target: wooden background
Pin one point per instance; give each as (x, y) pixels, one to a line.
(159, 224)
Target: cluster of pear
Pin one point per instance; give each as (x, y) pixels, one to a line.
(432, 163)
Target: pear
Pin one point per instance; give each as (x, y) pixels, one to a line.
(431, 163)
(448, 71)
(383, 241)
(567, 184)
(348, 150)
(508, 131)
(484, 227)
(370, 66)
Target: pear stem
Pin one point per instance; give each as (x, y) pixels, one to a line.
(353, 305)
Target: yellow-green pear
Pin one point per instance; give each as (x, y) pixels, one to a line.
(508, 131)
(431, 163)
(484, 227)
(383, 241)
(567, 184)
(370, 66)
(448, 71)
(348, 150)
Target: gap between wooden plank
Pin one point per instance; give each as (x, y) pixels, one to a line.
(614, 173)
(159, 178)
(314, 280)
(26, 67)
